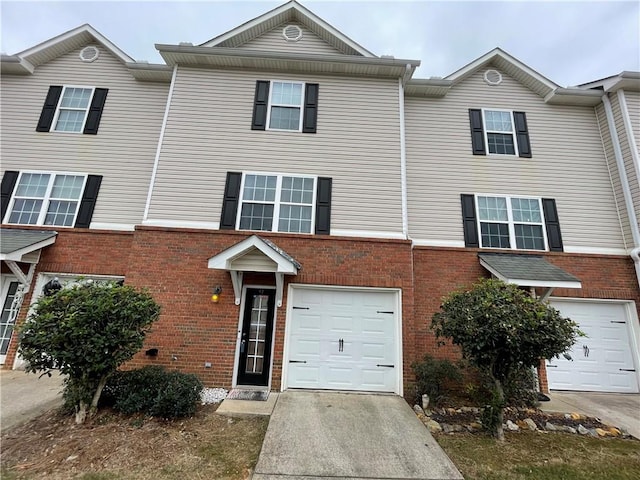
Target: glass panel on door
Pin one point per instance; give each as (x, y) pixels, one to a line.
(6, 320)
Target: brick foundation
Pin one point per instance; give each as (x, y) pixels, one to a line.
(172, 264)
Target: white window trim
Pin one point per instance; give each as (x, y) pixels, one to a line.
(58, 108)
(486, 131)
(511, 222)
(271, 104)
(277, 202)
(46, 199)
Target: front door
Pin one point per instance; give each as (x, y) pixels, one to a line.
(255, 339)
(7, 320)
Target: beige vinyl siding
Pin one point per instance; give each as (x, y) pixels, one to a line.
(255, 261)
(124, 148)
(274, 41)
(612, 166)
(209, 133)
(568, 164)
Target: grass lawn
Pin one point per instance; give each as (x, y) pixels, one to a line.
(540, 456)
(114, 447)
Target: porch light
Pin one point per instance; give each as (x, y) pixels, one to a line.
(216, 294)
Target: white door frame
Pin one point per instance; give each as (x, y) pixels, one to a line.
(633, 326)
(7, 279)
(236, 359)
(305, 286)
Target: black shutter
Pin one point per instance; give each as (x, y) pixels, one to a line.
(469, 223)
(522, 134)
(230, 201)
(95, 111)
(323, 206)
(260, 104)
(49, 109)
(554, 237)
(88, 202)
(8, 184)
(477, 132)
(310, 115)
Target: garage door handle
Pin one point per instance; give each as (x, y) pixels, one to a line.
(384, 311)
(297, 361)
(385, 365)
(627, 369)
(616, 321)
(301, 308)
(552, 366)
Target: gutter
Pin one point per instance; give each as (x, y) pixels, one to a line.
(403, 151)
(626, 190)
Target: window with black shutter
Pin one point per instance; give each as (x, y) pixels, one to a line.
(72, 109)
(287, 106)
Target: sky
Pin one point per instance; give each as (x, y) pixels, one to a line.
(569, 42)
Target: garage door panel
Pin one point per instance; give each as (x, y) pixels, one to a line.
(601, 360)
(350, 338)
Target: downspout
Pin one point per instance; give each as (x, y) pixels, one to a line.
(160, 141)
(626, 190)
(403, 152)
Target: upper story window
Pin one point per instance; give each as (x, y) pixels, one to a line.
(511, 222)
(277, 203)
(499, 132)
(288, 106)
(72, 109)
(48, 198)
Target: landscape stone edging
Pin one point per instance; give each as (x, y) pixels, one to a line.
(526, 424)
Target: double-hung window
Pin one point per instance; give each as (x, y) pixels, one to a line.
(285, 106)
(277, 203)
(499, 131)
(511, 222)
(73, 109)
(46, 199)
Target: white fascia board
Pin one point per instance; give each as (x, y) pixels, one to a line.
(300, 11)
(17, 255)
(530, 283)
(468, 69)
(76, 31)
(224, 260)
(15, 64)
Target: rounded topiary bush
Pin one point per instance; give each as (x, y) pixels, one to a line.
(154, 391)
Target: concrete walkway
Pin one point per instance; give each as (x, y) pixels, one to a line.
(321, 435)
(618, 409)
(24, 396)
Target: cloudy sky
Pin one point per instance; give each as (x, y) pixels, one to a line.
(569, 42)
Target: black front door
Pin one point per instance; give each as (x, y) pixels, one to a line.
(255, 339)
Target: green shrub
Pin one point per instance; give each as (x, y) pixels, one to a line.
(436, 378)
(154, 391)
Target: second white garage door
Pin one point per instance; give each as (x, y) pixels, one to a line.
(603, 361)
(343, 339)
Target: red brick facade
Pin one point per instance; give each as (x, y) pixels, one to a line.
(192, 330)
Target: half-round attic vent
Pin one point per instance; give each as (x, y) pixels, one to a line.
(89, 54)
(292, 33)
(493, 77)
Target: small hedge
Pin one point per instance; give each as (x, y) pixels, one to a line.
(154, 391)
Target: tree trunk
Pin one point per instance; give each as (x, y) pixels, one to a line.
(96, 396)
(500, 405)
(81, 412)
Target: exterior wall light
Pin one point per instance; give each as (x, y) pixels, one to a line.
(216, 294)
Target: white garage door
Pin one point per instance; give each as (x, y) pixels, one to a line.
(603, 361)
(343, 339)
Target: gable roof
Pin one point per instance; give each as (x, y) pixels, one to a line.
(26, 61)
(288, 12)
(549, 91)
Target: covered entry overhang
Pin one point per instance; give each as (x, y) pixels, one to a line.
(528, 271)
(23, 246)
(255, 254)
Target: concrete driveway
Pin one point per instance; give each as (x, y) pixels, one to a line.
(617, 409)
(24, 396)
(344, 435)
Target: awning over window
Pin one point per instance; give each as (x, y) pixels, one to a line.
(255, 254)
(527, 270)
(21, 245)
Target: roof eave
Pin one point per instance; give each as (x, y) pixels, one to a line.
(12, 64)
(574, 96)
(150, 72)
(431, 87)
(224, 57)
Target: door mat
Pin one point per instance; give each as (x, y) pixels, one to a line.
(254, 395)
